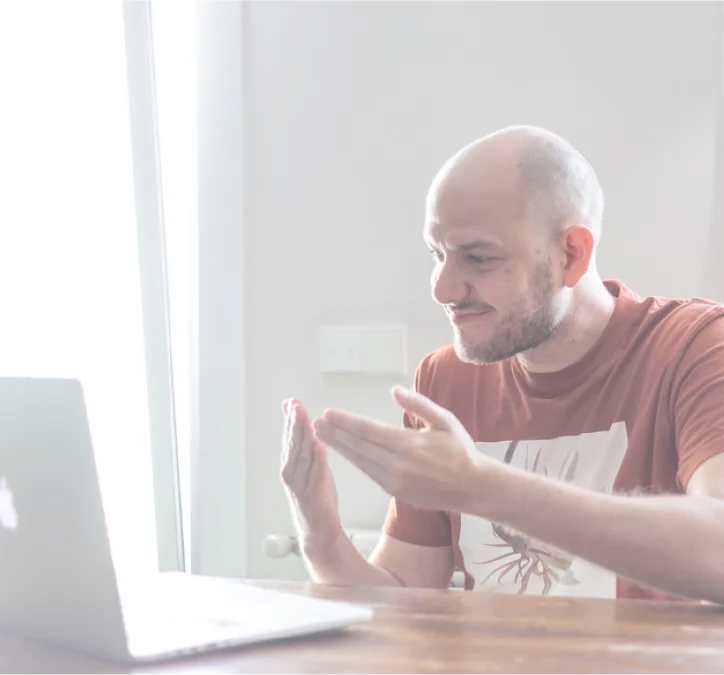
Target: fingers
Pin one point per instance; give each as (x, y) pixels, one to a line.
(318, 458)
(295, 435)
(297, 450)
(287, 405)
(374, 469)
(307, 456)
(383, 435)
(286, 436)
(339, 436)
(422, 407)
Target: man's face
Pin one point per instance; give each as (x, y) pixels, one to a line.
(493, 274)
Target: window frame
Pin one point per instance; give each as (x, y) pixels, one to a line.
(218, 462)
(154, 282)
(217, 541)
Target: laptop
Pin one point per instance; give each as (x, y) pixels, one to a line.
(58, 583)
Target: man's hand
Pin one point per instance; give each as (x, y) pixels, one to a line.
(309, 483)
(328, 553)
(438, 467)
(671, 542)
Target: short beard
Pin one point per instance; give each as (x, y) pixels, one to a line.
(528, 326)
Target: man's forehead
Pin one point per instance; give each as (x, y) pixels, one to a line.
(460, 238)
(486, 219)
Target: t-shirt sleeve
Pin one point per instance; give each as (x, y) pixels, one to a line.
(412, 524)
(698, 400)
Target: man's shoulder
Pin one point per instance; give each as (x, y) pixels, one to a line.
(443, 357)
(675, 322)
(441, 367)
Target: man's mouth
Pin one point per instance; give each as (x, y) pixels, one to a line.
(459, 318)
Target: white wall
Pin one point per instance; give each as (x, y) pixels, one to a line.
(351, 108)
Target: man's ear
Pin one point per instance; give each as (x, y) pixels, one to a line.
(578, 244)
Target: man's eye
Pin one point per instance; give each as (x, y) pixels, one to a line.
(477, 259)
(437, 256)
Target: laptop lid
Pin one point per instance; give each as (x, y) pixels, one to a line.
(57, 580)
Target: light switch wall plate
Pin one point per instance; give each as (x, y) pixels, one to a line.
(373, 350)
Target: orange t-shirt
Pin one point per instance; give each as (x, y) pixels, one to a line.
(638, 413)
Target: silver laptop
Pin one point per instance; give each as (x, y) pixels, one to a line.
(57, 579)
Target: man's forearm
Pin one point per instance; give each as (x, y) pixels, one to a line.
(674, 543)
(342, 564)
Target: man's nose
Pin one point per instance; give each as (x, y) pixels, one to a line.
(449, 287)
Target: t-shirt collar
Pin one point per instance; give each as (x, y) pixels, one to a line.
(600, 355)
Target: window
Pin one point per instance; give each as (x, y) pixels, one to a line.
(121, 258)
(71, 293)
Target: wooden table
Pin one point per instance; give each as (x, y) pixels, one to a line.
(422, 631)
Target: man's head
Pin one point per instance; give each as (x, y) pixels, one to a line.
(512, 222)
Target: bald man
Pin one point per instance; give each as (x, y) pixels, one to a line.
(569, 441)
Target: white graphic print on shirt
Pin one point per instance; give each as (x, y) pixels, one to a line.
(501, 560)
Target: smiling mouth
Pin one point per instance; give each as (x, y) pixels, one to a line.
(459, 319)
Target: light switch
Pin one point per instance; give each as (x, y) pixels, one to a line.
(384, 350)
(340, 349)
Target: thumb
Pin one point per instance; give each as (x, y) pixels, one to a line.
(423, 408)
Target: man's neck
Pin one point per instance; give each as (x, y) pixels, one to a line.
(588, 315)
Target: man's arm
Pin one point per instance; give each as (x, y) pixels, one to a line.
(673, 543)
(392, 563)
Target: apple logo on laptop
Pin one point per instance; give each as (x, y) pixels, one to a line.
(8, 514)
